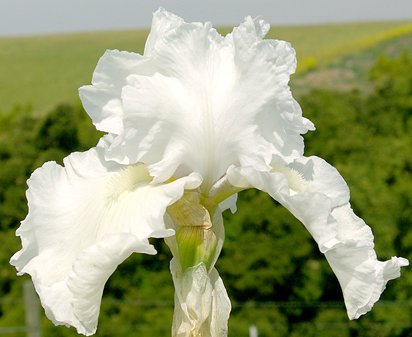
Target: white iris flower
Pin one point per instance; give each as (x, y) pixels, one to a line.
(194, 120)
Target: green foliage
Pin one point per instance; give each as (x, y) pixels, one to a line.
(274, 274)
(273, 232)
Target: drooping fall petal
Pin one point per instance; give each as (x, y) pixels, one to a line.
(84, 219)
(315, 193)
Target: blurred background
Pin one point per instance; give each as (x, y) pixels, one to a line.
(354, 81)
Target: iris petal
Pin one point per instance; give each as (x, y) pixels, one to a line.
(163, 22)
(84, 219)
(185, 106)
(321, 202)
(102, 100)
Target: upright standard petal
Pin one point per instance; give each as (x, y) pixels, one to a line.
(163, 22)
(84, 219)
(316, 194)
(188, 109)
(102, 99)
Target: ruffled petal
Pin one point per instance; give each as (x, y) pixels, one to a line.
(163, 22)
(101, 100)
(317, 195)
(84, 219)
(75, 301)
(200, 102)
(362, 277)
(202, 306)
(265, 67)
(170, 117)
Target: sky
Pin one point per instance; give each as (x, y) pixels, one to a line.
(32, 17)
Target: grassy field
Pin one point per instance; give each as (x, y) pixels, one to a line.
(352, 70)
(42, 71)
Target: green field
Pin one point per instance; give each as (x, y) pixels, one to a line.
(43, 71)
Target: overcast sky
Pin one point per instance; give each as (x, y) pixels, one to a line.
(19, 17)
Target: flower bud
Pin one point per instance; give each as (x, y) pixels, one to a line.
(196, 244)
(196, 241)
